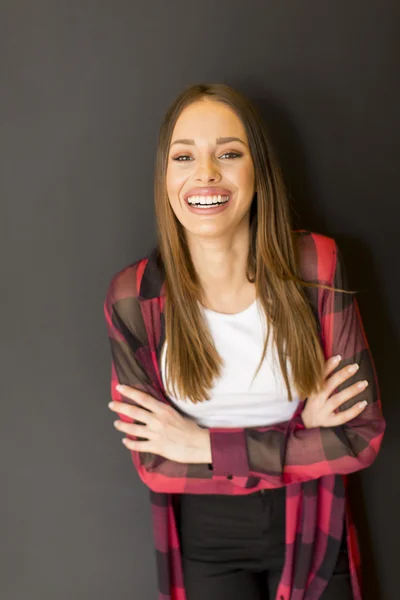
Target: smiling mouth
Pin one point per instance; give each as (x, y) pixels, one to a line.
(207, 201)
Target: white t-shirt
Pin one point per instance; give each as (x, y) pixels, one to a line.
(239, 339)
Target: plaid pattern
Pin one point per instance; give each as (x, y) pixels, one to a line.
(312, 463)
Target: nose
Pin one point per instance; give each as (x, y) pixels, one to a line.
(207, 171)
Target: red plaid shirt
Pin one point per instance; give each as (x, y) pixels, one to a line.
(311, 463)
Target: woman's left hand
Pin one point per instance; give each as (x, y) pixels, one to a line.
(169, 434)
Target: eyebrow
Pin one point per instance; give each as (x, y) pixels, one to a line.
(220, 140)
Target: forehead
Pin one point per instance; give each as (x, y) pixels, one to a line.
(208, 119)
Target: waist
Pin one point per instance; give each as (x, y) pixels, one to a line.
(276, 494)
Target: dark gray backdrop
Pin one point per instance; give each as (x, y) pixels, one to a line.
(84, 85)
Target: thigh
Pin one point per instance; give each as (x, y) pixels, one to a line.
(217, 581)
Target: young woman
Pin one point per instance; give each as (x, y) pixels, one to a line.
(233, 340)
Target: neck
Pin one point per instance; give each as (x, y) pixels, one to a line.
(221, 265)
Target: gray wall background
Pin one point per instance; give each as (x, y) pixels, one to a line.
(83, 88)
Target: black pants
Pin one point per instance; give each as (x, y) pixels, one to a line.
(233, 547)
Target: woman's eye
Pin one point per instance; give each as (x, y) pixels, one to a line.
(182, 156)
(230, 154)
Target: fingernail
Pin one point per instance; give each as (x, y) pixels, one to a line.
(362, 384)
(336, 358)
(353, 368)
(119, 388)
(363, 403)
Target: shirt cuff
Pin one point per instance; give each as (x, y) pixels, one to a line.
(229, 452)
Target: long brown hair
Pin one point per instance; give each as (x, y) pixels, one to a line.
(192, 361)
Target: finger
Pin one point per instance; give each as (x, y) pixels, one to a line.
(350, 392)
(339, 377)
(141, 397)
(345, 416)
(331, 364)
(134, 429)
(138, 446)
(134, 412)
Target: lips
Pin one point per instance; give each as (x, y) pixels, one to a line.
(207, 191)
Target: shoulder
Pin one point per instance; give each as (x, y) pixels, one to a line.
(122, 302)
(125, 283)
(316, 254)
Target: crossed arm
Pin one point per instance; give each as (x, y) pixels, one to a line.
(278, 454)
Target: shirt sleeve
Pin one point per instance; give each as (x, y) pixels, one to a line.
(131, 365)
(288, 452)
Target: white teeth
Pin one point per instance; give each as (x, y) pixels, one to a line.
(205, 200)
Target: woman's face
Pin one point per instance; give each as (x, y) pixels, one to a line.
(200, 163)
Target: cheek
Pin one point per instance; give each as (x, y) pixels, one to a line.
(173, 185)
(248, 173)
(168, 180)
(243, 176)
(174, 181)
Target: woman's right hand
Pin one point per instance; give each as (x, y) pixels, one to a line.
(320, 407)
